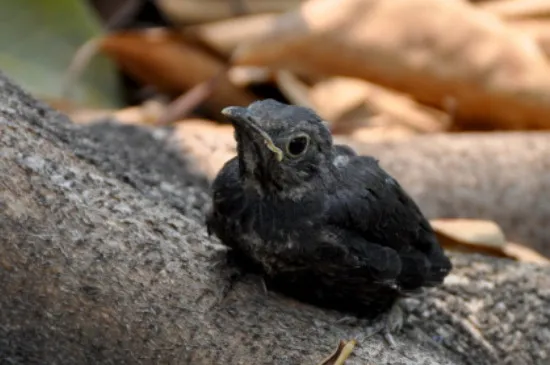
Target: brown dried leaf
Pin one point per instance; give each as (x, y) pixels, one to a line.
(525, 254)
(184, 105)
(336, 97)
(470, 232)
(294, 89)
(514, 9)
(352, 104)
(162, 58)
(329, 360)
(243, 76)
(198, 11)
(539, 30)
(406, 45)
(147, 113)
(478, 236)
(211, 144)
(340, 355)
(77, 113)
(87, 116)
(225, 35)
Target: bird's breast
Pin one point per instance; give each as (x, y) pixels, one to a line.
(269, 229)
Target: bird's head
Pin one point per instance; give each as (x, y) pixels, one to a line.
(280, 146)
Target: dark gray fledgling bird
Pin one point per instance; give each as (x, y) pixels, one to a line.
(317, 221)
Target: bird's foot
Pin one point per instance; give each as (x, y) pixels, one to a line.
(253, 279)
(350, 321)
(386, 324)
(262, 284)
(237, 273)
(236, 278)
(393, 322)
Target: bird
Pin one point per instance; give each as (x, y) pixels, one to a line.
(319, 222)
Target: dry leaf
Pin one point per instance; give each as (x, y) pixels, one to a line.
(471, 232)
(224, 36)
(148, 113)
(539, 30)
(145, 114)
(77, 113)
(497, 76)
(162, 58)
(211, 144)
(198, 11)
(479, 236)
(341, 354)
(87, 116)
(247, 75)
(514, 9)
(199, 94)
(294, 89)
(337, 96)
(524, 254)
(353, 104)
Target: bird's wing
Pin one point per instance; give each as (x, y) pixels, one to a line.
(343, 150)
(227, 194)
(369, 202)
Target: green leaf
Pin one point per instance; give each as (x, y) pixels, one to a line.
(38, 39)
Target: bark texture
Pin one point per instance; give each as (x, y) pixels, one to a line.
(104, 259)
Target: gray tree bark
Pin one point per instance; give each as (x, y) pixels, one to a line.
(104, 259)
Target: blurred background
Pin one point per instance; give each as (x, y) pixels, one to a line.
(373, 68)
(376, 70)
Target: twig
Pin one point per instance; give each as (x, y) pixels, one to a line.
(84, 54)
(185, 103)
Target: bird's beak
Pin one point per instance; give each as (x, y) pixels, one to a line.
(242, 121)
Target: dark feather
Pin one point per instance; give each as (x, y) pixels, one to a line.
(373, 204)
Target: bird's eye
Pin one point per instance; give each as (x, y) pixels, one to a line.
(297, 145)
